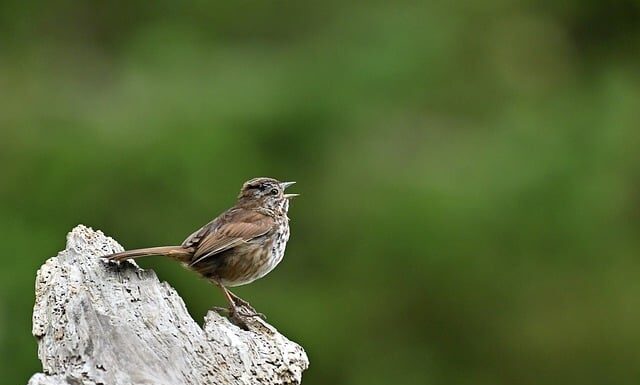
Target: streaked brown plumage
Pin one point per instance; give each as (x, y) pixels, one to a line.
(241, 245)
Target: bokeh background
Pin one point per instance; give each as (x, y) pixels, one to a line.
(469, 171)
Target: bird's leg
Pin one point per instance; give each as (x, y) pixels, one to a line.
(242, 303)
(232, 312)
(235, 305)
(227, 295)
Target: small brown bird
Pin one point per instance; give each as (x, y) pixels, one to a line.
(241, 245)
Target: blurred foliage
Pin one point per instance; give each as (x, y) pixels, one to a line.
(469, 171)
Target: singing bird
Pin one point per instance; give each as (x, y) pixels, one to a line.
(239, 246)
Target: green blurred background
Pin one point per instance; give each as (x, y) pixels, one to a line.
(469, 171)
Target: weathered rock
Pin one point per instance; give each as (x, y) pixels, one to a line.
(116, 324)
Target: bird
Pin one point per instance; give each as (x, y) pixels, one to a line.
(239, 246)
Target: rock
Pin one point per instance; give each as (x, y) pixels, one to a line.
(99, 322)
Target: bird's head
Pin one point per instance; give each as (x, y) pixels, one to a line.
(267, 193)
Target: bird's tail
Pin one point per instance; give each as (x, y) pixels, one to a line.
(180, 253)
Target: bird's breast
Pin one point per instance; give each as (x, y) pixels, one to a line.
(255, 259)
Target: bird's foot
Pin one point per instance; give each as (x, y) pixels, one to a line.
(253, 313)
(223, 311)
(244, 308)
(238, 316)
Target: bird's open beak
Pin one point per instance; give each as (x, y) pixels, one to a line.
(284, 186)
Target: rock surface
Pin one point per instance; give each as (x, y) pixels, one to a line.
(103, 323)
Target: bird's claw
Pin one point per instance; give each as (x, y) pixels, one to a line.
(222, 310)
(253, 314)
(238, 315)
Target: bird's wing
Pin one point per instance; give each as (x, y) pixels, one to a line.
(238, 227)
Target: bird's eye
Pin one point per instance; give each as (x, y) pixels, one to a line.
(274, 191)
